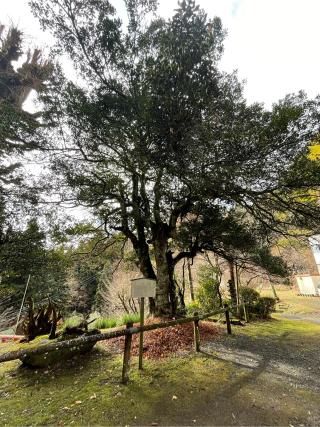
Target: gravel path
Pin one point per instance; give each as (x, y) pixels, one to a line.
(312, 317)
(294, 364)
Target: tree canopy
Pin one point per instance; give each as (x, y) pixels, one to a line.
(17, 126)
(162, 146)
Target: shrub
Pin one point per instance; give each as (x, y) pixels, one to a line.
(265, 306)
(104, 323)
(248, 295)
(208, 289)
(194, 307)
(134, 317)
(262, 307)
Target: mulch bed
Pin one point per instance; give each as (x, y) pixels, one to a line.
(161, 343)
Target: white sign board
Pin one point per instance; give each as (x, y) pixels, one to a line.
(309, 285)
(141, 288)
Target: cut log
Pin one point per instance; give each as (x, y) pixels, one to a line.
(53, 357)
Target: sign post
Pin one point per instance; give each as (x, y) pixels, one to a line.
(142, 288)
(141, 333)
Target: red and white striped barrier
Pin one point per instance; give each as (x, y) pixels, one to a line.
(6, 338)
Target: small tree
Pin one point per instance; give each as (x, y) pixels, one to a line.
(208, 290)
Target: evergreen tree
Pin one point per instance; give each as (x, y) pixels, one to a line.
(163, 147)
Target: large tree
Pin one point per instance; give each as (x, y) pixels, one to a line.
(163, 147)
(18, 127)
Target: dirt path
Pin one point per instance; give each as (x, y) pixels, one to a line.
(264, 374)
(293, 364)
(311, 317)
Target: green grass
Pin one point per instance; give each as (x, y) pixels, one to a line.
(104, 323)
(291, 303)
(197, 389)
(135, 318)
(71, 322)
(88, 390)
(176, 390)
(294, 334)
(277, 326)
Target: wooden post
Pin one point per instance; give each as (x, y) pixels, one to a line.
(141, 333)
(246, 318)
(227, 319)
(127, 355)
(196, 334)
(24, 297)
(237, 290)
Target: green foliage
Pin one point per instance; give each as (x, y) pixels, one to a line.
(104, 323)
(260, 306)
(16, 84)
(72, 321)
(265, 306)
(207, 293)
(248, 295)
(135, 318)
(18, 128)
(25, 252)
(168, 151)
(194, 307)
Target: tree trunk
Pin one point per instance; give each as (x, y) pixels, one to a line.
(146, 268)
(232, 284)
(162, 292)
(190, 281)
(166, 300)
(274, 291)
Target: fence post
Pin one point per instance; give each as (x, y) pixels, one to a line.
(196, 333)
(126, 355)
(228, 319)
(246, 318)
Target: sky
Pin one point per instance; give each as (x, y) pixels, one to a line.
(274, 44)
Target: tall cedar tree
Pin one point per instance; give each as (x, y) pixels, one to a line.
(162, 145)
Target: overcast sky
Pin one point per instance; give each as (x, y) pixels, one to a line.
(274, 44)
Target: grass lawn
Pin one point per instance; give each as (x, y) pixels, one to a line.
(291, 303)
(195, 389)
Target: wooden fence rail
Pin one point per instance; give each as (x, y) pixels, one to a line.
(127, 332)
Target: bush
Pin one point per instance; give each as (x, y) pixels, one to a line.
(249, 295)
(104, 323)
(262, 307)
(194, 307)
(208, 289)
(134, 317)
(265, 306)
